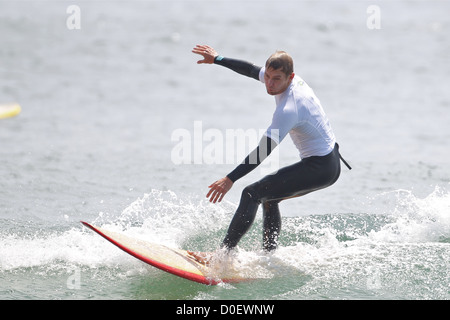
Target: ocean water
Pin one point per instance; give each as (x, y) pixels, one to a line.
(101, 106)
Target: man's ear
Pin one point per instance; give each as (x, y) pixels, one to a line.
(292, 76)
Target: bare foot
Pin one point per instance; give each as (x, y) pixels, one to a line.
(202, 257)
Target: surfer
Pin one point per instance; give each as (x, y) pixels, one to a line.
(298, 112)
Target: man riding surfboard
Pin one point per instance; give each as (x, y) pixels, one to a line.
(298, 112)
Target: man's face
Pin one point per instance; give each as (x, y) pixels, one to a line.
(276, 81)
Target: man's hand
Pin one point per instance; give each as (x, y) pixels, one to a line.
(207, 52)
(219, 189)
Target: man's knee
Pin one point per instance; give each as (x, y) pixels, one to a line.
(251, 193)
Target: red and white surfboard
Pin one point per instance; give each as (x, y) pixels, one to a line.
(175, 261)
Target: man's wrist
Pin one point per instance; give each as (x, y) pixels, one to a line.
(218, 58)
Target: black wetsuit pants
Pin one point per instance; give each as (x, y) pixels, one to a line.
(308, 175)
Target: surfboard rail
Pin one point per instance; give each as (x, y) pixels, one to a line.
(197, 272)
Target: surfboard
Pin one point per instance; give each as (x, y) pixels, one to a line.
(172, 260)
(9, 110)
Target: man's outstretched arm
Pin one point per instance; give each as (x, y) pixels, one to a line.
(242, 67)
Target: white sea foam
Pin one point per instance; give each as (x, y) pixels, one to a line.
(164, 217)
(417, 219)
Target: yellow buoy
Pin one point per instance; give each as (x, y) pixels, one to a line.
(9, 110)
